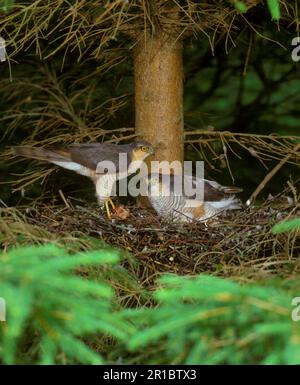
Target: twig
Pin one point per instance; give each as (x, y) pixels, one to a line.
(229, 133)
(270, 175)
(64, 199)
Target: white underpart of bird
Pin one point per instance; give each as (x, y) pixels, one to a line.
(104, 187)
(107, 184)
(72, 166)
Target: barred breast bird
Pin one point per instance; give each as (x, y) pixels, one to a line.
(104, 163)
(175, 205)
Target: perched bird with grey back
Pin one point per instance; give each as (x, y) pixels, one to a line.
(85, 159)
(180, 207)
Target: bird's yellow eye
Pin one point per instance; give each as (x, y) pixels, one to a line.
(145, 149)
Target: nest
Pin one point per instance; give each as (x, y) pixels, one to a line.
(240, 244)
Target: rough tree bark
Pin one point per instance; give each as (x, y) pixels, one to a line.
(159, 93)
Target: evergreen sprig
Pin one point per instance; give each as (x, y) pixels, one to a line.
(293, 224)
(197, 320)
(209, 320)
(6, 4)
(43, 295)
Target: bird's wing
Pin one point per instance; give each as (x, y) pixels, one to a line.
(83, 158)
(56, 156)
(90, 155)
(191, 187)
(211, 191)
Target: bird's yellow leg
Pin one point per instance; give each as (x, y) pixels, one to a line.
(109, 200)
(108, 213)
(107, 203)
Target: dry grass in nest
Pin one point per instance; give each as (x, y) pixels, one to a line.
(240, 245)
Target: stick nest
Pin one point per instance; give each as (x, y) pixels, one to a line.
(239, 244)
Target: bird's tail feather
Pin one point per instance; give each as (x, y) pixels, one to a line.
(40, 153)
(225, 189)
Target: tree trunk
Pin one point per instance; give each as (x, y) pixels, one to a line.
(159, 93)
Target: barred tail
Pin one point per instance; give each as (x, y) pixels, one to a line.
(40, 153)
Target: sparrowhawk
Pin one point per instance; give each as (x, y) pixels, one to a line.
(184, 208)
(86, 158)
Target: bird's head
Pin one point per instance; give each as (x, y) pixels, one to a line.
(141, 150)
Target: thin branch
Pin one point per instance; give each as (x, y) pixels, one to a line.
(270, 175)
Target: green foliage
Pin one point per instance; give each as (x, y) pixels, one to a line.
(201, 319)
(43, 297)
(240, 6)
(273, 6)
(208, 320)
(6, 4)
(274, 9)
(293, 224)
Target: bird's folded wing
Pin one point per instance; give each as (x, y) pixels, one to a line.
(80, 158)
(213, 191)
(90, 155)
